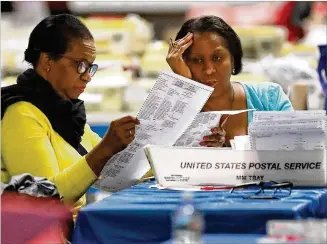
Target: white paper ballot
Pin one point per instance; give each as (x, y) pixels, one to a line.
(259, 116)
(288, 130)
(241, 143)
(201, 126)
(232, 144)
(298, 125)
(169, 109)
(290, 141)
(207, 187)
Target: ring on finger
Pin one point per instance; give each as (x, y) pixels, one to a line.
(173, 44)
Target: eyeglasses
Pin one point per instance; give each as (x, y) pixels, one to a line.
(256, 190)
(83, 66)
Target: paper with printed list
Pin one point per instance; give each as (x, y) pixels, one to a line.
(168, 110)
(201, 126)
(288, 130)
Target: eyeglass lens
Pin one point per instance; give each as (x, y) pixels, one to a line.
(83, 66)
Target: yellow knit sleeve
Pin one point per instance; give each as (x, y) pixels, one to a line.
(92, 136)
(27, 148)
(95, 138)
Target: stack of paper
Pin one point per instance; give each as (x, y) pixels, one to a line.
(288, 130)
(241, 143)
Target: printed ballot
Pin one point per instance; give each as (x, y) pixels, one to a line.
(202, 125)
(288, 130)
(169, 109)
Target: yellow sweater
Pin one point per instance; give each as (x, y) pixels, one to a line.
(30, 145)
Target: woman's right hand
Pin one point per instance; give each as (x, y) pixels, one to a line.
(121, 133)
(175, 56)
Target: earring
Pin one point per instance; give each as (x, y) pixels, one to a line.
(48, 69)
(233, 71)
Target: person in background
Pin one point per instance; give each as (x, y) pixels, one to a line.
(292, 15)
(58, 7)
(44, 130)
(208, 50)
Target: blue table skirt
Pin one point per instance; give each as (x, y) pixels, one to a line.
(143, 215)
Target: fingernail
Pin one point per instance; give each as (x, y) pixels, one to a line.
(202, 143)
(213, 130)
(205, 138)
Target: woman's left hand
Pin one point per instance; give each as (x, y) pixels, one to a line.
(216, 139)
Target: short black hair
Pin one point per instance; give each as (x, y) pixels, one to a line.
(211, 23)
(53, 35)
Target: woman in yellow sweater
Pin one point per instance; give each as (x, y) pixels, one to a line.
(44, 130)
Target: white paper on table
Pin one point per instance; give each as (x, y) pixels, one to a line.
(295, 134)
(289, 141)
(201, 126)
(187, 188)
(170, 107)
(184, 188)
(295, 125)
(242, 143)
(232, 144)
(259, 116)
